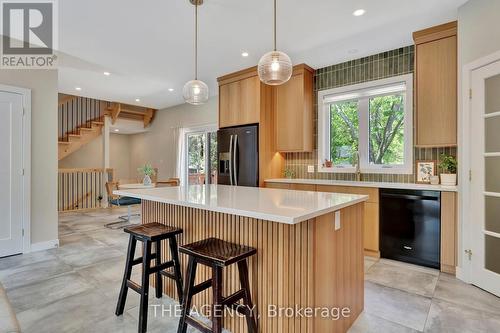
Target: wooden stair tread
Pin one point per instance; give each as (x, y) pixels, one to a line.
(67, 143)
(98, 122)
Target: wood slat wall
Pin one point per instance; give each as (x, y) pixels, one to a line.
(80, 188)
(283, 273)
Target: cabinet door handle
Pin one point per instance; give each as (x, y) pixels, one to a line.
(406, 247)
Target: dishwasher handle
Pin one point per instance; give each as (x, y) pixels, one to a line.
(410, 196)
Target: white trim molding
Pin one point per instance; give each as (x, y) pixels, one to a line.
(41, 246)
(26, 94)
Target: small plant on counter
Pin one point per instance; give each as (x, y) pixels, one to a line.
(148, 171)
(289, 173)
(328, 164)
(448, 166)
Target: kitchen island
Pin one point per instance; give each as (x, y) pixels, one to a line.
(308, 273)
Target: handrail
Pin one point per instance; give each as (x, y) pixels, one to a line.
(82, 188)
(75, 112)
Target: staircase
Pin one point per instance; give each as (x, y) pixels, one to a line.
(81, 120)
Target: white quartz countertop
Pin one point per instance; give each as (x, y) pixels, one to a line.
(284, 206)
(407, 186)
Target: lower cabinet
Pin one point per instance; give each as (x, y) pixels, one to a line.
(448, 232)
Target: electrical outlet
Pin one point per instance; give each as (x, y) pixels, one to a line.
(337, 220)
(310, 168)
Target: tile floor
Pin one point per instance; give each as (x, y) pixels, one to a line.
(74, 289)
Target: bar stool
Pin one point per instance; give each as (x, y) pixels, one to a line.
(149, 233)
(217, 254)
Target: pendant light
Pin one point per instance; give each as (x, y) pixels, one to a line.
(195, 91)
(275, 67)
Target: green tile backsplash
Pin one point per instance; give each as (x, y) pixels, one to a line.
(374, 67)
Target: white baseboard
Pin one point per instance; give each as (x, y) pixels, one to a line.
(52, 244)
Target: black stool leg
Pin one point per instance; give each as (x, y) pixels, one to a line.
(159, 282)
(120, 306)
(177, 267)
(188, 294)
(217, 309)
(247, 300)
(143, 307)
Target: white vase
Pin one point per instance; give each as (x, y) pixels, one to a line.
(146, 181)
(448, 179)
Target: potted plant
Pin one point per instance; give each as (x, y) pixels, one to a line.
(148, 171)
(448, 166)
(289, 173)
(328, 164)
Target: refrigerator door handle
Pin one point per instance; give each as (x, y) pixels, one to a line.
(231, 160)
(235, 161)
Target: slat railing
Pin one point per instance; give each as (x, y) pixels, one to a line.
(82, 188)
(75, 112)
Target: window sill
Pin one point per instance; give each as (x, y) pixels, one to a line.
(392, 171)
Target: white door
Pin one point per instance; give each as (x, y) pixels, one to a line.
(11, 178)
(485, 180)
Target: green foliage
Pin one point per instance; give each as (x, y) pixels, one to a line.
(448, 164)
(386, 137)
(197, 150)
(289, 173)
(387, 129)
(344, 132)
(146, 170)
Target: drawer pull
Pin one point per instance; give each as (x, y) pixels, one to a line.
(408, 247)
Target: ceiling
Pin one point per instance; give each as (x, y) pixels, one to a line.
(148, 46)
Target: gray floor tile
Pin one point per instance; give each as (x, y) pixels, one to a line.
(90, 257)
(453, 318)
(408, 278)
(369, 262)
(47, 291)
(453, 290)
(404, 308)
(26, 259)
(367, 323)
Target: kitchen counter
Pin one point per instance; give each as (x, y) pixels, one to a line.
(309, 248)
(284, 206)
(407, 186)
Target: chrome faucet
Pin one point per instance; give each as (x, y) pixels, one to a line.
(358, 168)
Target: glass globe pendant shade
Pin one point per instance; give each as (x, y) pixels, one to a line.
(195, 92)
(275, 68)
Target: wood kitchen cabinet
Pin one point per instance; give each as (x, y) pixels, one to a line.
(239, 102)
(294, 112)
(436, 86)
(448, 232)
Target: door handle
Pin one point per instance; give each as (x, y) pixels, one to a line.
(231, 160)
(406, 247)
(235, 163)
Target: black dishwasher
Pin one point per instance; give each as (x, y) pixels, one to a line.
(410, 226)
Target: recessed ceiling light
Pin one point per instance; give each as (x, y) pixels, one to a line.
(359, 12)
(107, 73)
(117, 130)
(170, 89)
(78, 88)
(244, 54)
(137, 100)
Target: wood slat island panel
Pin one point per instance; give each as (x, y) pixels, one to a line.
(308, 264)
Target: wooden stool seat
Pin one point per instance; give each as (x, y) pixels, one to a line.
(217, 254)
(149, 234)
(217, 251)
(152, 231)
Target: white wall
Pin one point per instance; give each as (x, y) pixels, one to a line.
(43, 85)
(478, 29)
(158, 146)
(91, 156)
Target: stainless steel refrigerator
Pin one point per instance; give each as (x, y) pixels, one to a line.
(238, 155)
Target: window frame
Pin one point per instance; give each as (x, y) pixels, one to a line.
(362, 92)
(204, 130)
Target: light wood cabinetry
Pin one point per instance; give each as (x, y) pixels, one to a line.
(239, 102)
(294, 112)
(244, 100)
(436, 86)
(448, 232)
(371, 220)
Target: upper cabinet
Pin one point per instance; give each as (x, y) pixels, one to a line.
(436, 86)
(294, 112)
(239, 99)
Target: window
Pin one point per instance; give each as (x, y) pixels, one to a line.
(201, 156)
(372, 121)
